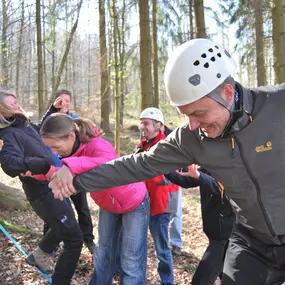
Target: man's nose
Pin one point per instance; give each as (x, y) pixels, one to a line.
(193, 123)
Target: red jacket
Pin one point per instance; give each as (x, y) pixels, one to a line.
(163, 194)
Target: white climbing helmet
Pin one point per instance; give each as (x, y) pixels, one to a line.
(195, 69)
(152, 113)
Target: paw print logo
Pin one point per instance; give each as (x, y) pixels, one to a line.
(195, 79)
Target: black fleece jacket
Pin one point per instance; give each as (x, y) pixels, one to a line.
(24, 150)
(217, 214)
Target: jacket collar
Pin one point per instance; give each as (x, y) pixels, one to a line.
(241, 116)
(246, 109)
(18, 120)
(145, 145)
(75, 147)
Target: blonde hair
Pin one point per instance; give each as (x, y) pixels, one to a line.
(59, 125)
(7, 111)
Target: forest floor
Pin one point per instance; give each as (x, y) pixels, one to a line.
(15, 271)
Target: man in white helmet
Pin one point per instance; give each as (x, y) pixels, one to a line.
(153, 130)
(163, 195)
(235, 133)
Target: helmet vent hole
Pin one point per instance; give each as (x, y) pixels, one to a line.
(196, 63)
(213, 58)
(206, 65)
(219, 55)
(226, 52)
(219, 75)
(203, 55)
(210, 50)
(217, 47)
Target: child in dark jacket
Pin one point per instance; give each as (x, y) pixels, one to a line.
(23, 152)
(218, 219)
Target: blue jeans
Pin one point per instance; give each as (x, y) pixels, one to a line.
(158, 226)
(131, 228)
(176, 223)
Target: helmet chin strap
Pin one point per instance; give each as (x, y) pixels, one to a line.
(157, 129)
(215, 96)
(232, 109)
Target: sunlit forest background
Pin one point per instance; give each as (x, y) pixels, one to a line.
(111, 54)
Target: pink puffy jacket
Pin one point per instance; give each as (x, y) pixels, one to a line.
(120, 199)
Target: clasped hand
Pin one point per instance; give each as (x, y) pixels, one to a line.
(62, 183)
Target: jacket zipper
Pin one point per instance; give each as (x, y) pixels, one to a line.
(253, 179)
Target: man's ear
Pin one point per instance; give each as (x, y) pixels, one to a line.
(228, 93)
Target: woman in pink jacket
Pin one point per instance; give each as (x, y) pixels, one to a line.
(123, 209)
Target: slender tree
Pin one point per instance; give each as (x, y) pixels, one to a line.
(116, 66)
(40, 70)
(200, 19)
(67, 48)
(122, 55)
(191, 24)
(155, 54)
(278, 23)
(4, 46)
(145, 56)
(104, 74)
(20, 47)
(260, 61)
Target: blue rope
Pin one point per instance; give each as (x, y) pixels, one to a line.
(24, 253)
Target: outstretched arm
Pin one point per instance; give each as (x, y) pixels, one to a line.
(166, 156)
(194, 178)
(183, 181)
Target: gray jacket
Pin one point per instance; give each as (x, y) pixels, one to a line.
(250, 163)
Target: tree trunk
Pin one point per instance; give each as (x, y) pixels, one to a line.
(259, 42)
(45, 94)
(155, 55)
(39, 60)
(278, 40)
(4, 76)
(116, 66)
(74, 78)
(20, 48)
(122, 51)
(67, 48)
(145, 56)
(191, 19)
(104, 74)
(12, 198)
(89, 70)
(53, 48)
(200, 19)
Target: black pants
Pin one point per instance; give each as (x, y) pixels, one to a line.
(84, 218)
(211, 264)
(249, 261)
(63, 227)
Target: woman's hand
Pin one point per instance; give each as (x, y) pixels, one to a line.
(27, 174)
(60, 104)
(62, 183)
